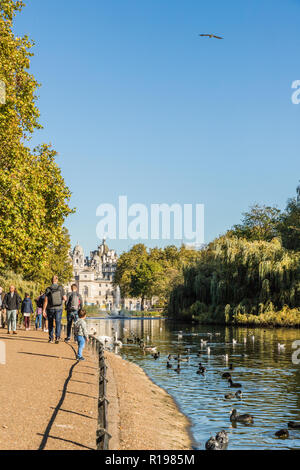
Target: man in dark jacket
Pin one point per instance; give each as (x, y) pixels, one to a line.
(74, 305)
(53, 308)
(12, 302)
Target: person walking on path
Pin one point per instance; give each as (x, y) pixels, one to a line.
(53, 308)
(81, 334)
(12, 302)
(27, 311)
(74, 305)
(39, 311)
(2, 314)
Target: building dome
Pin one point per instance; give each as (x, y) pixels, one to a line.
(78, 249)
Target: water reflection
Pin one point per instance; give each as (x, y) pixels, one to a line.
(271, 383)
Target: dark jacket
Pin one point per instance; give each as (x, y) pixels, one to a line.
(12, 302)
(40, 301)
(27, 306)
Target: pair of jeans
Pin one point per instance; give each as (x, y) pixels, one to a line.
(54, 315)
(2, 318)
(81, 345)
(38, 320)
(71, 317)
(11, 318)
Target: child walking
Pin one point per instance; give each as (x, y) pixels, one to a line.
(27, 310)
(81, 334)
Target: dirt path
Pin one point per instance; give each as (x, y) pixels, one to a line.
(48, 400)
(148, 417)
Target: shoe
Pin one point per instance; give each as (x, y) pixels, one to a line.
(15, 333)
(57, 341)
(81, 359)
(67, 340)
(8, 332)
(51, 341)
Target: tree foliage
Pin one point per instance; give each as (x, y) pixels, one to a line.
(290, 225)
(34, 198)
(260, 223)
(236, 276)
(152, 273)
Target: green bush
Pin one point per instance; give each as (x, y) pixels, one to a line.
(8, 278)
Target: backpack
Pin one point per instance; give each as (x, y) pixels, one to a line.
(56, 297)
(74, 302)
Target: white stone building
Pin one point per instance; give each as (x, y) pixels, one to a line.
(94, 277)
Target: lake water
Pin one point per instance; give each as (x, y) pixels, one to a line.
(270, 381)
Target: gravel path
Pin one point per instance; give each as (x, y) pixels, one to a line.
(144, 415)
(47, 400)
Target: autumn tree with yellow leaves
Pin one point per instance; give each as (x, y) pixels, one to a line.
(34, 199)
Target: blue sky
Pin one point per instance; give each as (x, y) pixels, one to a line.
(137, 104)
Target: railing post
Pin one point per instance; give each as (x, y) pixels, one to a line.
(103, 437)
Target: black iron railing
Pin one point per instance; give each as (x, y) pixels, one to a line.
(103, 437)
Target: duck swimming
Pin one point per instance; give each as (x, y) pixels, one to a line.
(293, 425)
(212, 444)
(222, 438)
(234, 384)
(238, 394)
(226, 375)
(282, 433)
(219, 442)
(201, 369)
(245, 418)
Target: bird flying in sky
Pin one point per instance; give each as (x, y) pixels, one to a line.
(210, 36)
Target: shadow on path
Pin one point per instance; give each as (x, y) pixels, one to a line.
(75, 413)
(67, 440)
(46, 434)
(81, 395)
(46, 355)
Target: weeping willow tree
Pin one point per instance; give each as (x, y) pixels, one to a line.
(237, 276)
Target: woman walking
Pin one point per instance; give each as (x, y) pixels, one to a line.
(27, 310)
(39, 311)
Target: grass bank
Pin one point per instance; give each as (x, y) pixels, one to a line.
(289, 318)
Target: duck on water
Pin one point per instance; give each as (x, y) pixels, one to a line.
(244, 418)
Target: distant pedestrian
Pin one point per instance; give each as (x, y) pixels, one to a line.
(12, 302)
(81, 334)
(53, 308)
(39, 311)
(27, 311)
(74, 305)
(2, 310)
